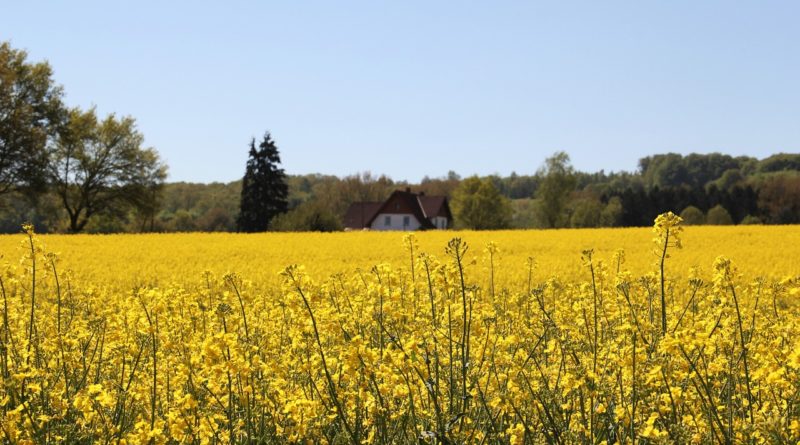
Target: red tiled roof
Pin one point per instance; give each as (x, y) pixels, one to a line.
(435, 206)
(412, 201)
(360, 214)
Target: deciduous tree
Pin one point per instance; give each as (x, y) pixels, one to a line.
(558, 181)
(779, 199)
(30, 113)
(100, 167)
(310, 216)
(478, 205)
(693, 216)
(586, 212)
(718, 216)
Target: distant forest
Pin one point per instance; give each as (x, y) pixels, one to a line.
(704, 188)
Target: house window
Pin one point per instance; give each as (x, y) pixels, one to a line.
(387, 220)
(406, 221)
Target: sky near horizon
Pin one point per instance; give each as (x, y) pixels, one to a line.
(414, 88)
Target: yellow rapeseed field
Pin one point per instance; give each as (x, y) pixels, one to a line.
(127, 260)
(662, 335)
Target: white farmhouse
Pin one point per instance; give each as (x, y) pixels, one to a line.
(402, 211)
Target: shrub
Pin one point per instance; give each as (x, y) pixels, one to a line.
(586, 212)
(750, 219)
(310, 216)
(693, 216)
(718, 216)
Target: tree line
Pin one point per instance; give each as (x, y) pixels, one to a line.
(555, 195)
(704, 188)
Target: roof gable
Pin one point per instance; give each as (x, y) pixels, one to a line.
(361, 215)
(404, 202)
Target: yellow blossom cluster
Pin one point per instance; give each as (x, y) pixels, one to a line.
(449, 338)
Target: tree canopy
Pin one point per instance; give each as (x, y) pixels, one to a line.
(31, 112)
(718, 216)
(693, 216)
(558, 181)
(478, 205)
(100, 167)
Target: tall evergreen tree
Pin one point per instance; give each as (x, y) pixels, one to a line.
(264, 189)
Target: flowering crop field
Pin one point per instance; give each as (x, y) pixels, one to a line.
(169, 259)
(661, 335)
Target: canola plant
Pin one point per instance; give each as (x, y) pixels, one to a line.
(500, 337)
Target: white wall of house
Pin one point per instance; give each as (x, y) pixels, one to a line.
(396, 221)
(439, 221)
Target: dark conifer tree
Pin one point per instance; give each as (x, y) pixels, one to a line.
(264, 189)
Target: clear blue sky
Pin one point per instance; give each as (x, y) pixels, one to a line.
(412, 88)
